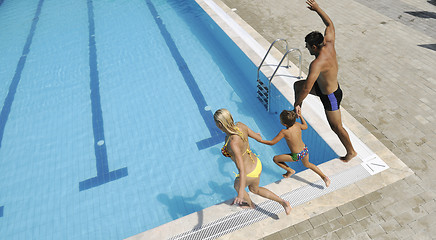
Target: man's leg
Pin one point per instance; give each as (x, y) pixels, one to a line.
(298, 85)
(335, 121)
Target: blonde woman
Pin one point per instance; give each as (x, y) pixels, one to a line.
(238, 149)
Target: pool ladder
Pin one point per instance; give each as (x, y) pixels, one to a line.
(263, 91)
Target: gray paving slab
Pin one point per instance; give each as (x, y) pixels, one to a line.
(387, 53)
(363, 236)
(288, 233)
(430, 207)
(361, 214)
(318, 220)
(332, 226)
(317, 232)
(405, 232)
(423, 235)
(360, 202)
(332, 214)
(358, 228)
(370, 208)
(424, 223)
(405, 218)
(347, 220)
(304, 236)
(303, 227)
(390, 226)
(346, 233)
(428, 195)
(415, 201)
(275, 236)
(329, 236)
(376, 231)
(346, 208)
(374, 196)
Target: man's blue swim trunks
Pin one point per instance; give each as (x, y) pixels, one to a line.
(331, 101)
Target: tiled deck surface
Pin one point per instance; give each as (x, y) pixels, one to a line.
(387, 70)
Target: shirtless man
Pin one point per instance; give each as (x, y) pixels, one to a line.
(322, 78)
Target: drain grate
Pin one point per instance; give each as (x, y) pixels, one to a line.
(269, 208)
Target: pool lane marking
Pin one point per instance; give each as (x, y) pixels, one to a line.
(216, 134)
(102, 165)
(4, 115)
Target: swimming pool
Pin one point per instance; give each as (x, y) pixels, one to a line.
(107, 128)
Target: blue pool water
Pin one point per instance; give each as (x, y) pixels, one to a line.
(106, 126)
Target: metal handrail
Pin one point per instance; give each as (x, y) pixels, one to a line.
(269, 49)
(278, 66)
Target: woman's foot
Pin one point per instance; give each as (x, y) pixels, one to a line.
(327, 181)
(287, 207)
(289, 173)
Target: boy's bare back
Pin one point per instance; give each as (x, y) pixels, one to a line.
(293, 137)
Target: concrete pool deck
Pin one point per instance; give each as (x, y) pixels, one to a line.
(387, 57)
(388, 120)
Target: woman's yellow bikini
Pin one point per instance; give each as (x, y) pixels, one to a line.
(257, 170)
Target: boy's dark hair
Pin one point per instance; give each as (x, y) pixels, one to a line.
(288, 117)
(315, 38)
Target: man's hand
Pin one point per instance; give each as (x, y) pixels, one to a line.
(312, 5)
(298, 110)
(329, 34)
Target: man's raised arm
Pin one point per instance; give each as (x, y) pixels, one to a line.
(329, 34)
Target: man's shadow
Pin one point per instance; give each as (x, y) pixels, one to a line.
(422, 14)
(428, 46)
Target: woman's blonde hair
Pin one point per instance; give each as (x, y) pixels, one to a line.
(224, 117)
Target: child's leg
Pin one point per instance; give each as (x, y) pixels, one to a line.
(280, 161)
(314, 168)
(253, 185)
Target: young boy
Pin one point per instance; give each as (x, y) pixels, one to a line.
(299, 151)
